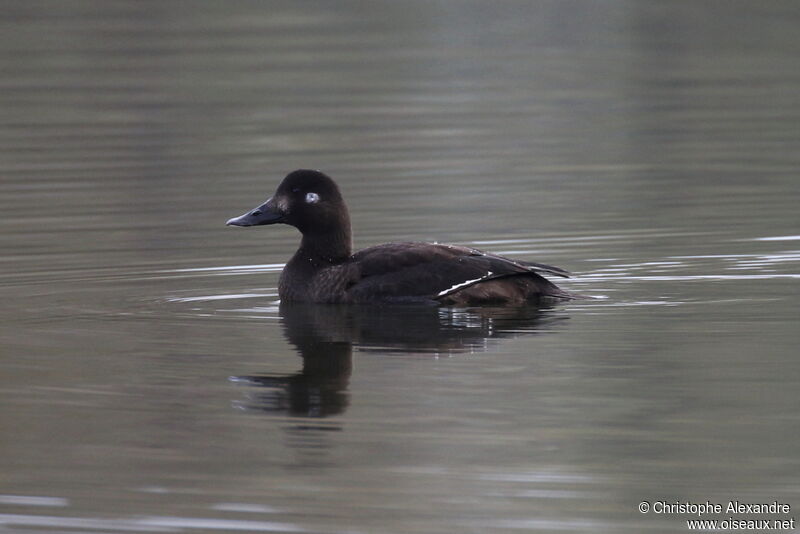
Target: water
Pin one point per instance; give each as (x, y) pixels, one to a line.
(151, 383)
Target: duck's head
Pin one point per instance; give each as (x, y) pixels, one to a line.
(306, 199)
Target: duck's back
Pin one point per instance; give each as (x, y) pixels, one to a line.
(445, 274)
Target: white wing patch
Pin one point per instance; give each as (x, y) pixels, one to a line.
(462, 284)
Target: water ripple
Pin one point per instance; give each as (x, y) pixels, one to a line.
(231, 269)
(779, 238)
(207, 298)
(147, 524)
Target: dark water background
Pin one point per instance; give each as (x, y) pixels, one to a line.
(149, 382)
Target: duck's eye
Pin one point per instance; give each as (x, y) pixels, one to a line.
(312, 198)
(295, 190)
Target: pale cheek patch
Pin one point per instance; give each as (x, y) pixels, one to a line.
(312, 198)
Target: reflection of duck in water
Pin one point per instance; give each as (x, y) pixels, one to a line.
(324, 335)
(320, 388)
(324, 268)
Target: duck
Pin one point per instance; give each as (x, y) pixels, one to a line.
(326, 270)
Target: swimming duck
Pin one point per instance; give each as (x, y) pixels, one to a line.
(324, 269)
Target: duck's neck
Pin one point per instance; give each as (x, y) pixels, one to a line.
(323, 249)
(322, 246)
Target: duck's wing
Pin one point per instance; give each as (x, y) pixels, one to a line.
(429, 271)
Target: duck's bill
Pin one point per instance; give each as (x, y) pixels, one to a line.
(266, 213)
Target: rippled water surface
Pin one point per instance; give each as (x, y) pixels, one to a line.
(151, 382)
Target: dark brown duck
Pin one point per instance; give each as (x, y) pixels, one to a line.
(324, 269)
